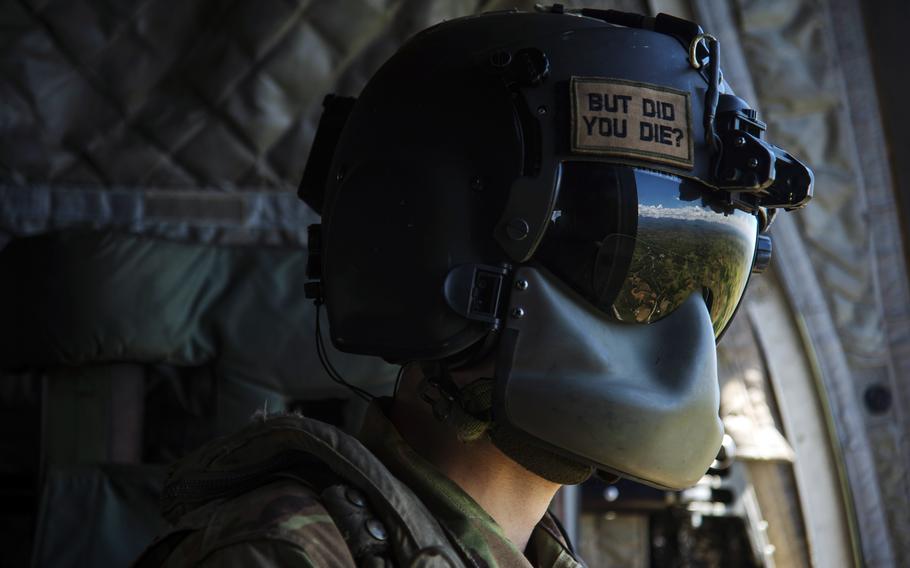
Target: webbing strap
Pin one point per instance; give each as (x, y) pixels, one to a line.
(427, 543)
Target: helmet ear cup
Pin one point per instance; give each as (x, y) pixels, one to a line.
(418, 183)
(387, 245)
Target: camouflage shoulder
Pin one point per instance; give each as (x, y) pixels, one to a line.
(271, 525)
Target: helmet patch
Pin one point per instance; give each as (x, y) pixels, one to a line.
(613, 117)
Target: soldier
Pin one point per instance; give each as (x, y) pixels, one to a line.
(548, 219)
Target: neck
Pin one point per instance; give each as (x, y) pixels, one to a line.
(516, 498)
(513, 496)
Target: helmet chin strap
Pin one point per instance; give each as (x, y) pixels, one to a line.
(468, 411)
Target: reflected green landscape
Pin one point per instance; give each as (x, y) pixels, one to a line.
(679, 257)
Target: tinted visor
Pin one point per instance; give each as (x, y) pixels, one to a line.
(637, 244)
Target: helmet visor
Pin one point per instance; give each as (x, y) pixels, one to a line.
(636, 243)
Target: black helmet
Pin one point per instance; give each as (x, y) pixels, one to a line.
(598, 152)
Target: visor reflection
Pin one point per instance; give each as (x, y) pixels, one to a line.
(672, 262)
(681, 242)
(686, 244)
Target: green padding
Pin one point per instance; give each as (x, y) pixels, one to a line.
(78, 298)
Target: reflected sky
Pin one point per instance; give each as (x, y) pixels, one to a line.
(685, 246)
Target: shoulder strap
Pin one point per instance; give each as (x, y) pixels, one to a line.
(319, 455)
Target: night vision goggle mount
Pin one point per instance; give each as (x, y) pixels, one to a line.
(758, 175)
(755, 172)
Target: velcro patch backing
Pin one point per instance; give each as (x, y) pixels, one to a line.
(615, 117)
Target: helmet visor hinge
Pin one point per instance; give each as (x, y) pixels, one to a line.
(475, 291)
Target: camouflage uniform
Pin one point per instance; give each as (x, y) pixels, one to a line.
(285, 519)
